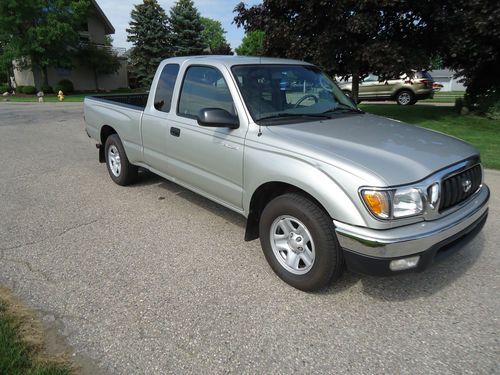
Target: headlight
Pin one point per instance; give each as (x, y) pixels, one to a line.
(393, 203)
(407, 202)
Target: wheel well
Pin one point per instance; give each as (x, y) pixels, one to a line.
(261, 197)
(403, 89)
(106, 131)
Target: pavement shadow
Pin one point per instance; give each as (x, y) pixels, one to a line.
(147, 178)
(417, 285)
(396, 288)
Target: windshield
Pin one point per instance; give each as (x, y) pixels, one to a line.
(278, 91)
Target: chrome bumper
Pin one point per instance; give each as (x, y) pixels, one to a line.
(414, 238)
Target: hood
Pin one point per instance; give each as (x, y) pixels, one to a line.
(397, 153)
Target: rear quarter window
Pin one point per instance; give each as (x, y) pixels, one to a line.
(165, 87)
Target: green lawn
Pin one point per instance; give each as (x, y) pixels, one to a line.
(20, 353)
(483, 133)
(445, 97)
(47, 98)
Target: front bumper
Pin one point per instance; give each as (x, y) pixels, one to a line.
(371, 251)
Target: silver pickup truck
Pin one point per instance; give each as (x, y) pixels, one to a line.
(321, 183)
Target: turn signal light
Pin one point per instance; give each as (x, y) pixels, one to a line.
(378, 202)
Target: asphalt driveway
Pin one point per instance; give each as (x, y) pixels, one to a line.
(155, 279)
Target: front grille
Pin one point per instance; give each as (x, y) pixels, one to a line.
(452, 188)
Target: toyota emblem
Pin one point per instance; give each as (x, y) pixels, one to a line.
(466, 185)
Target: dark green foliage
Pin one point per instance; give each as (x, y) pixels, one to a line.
(3, 88)
(214, 38)
(65, 85)
(150, 34)
(470, 43)
(252, 44)
(186, 26)
(19, 89)
(41, 33)
(47, 89)
(101, 60)
(29, 90)
(344, 37)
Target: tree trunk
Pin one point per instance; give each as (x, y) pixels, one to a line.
(45, 76)
(96, 80)
(355, 87)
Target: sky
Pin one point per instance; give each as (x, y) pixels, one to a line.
(118, 12)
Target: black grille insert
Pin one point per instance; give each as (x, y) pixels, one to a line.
(457, 188)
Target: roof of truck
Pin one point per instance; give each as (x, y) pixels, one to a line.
(229, 60)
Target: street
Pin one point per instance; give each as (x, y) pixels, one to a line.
(154, 279)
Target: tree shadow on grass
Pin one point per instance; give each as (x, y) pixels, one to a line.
(410, 114)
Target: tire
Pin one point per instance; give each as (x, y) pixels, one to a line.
(405, 97)
(320, 259)
(119, 168)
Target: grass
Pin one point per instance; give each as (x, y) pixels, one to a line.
(445, 97)
(72, 98)
(21, 342)
(482, 132)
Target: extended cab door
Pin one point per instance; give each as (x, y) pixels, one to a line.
(155, 125)
(206, 159)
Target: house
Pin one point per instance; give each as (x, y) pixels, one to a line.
(446, 78)
(94, 31)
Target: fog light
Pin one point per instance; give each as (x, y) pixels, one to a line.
(404, 264)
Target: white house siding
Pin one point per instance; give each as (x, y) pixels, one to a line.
(445, 77)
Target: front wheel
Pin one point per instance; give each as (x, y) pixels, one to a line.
(119, 168)
(298, 240)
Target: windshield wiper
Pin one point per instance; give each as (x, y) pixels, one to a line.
(283, 115)
(343, 107)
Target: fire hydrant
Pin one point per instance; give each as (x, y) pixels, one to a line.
(60, 95)
(40, 96)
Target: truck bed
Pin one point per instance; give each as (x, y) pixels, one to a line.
(135, 101)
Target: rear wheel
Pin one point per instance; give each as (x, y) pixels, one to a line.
(405, 97)
(299, 242)
(119, 168)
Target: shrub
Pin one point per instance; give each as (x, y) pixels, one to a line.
(19, 89)
(459, 104)
(66, 86)
(47, 89)
(3, 88)
(29, 90)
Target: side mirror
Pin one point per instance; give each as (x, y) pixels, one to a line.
(217, 118)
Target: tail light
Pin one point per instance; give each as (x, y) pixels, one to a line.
(426, 82)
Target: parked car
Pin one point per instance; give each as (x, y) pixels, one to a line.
(404, 90)
(321, 183)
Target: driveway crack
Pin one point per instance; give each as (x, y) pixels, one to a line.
(63, 232)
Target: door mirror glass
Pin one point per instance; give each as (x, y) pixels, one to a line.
(217, 117)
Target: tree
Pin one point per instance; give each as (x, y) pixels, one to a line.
(99, 59)
(214, 38)
(187, 29)
(344, 37)
(151, 36)
(41, 33)
(252, 44)
(470, 43)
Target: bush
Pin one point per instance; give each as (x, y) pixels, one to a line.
(66, 86)
(3, 88)
(47, 89)
(19, 89)
(29, 90)
(459, 104)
